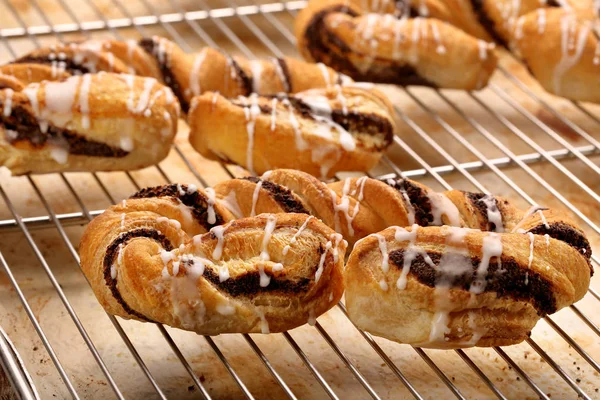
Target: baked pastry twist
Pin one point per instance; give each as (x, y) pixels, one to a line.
(559, 41)
(484, 281)
(366, 41)
(92, 122)
(320, 131)
(188, 75)
(152, 258)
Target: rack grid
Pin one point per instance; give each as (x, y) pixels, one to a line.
(510, 139)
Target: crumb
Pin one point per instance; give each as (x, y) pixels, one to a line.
(574, 363)
(202, 378)
(578, 368)
(596, 389)
(578, 380)
(518, 378)
(452, 378)
(35, 348)
(191, 388)
(509, 367)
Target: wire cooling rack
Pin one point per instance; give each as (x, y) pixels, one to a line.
(510, 139)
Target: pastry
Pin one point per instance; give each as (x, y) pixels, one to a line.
(561, 49)
(163, 256)
(320, 131)
(188, 75)
(91, 122)
(483, 279)
(368, 42)
(407, 43)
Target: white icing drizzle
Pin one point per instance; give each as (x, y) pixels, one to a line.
(531, 243)
(252, 113)
(223, 273)
(273, 114)
(483, 47)
(7, 108)
(383, 285)
(264, 254)
(541, 20)
(439, 326)
(544, 221)
(123, 221)
(410, 253)
(113, 268)
(547, 237)
(492, 247)
(191, 189)
(329, 246)
(256, 68)
(342, 99)
(385, 266)
(256, 193)
(410, 210)
(569, 42)
(230, 202)
(31, 91)
(519, 28)
(325, 72)
(218, 231)
(440, 206)
(440, 48)
(195, 73)
(295, 237)
(344, 206)
(596, 60)
(454, 262)
(225, 309)
(477, 332)
(300, 142)
(210, 194)
(84, 100)
(59, 154)
(264, 324)
(493, 212)
(126, 143)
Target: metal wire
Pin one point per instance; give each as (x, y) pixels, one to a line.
(268, 11)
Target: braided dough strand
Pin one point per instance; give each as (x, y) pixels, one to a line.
(374, 45)
(92, 122)
(188, 75)
(151, 259)
(320, 131)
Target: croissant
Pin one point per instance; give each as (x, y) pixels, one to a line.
(320, 131)
(188, 75)
(369, 43)
(484, 281)
(163, 256)
(92, 122)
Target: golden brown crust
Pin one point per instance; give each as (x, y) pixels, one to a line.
(562, 52)
(485, 281)
(321, 131)
(374, 45)
(451, 313)
(188, 75)
(557, 40)
(268, 273)
(94, 122)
